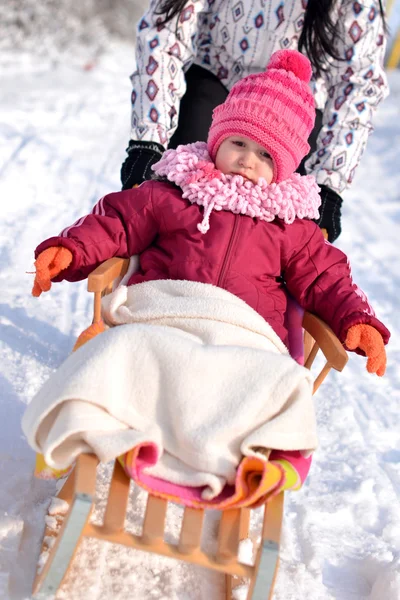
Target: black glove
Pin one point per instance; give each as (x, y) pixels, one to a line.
(330, 212)
(137, 166)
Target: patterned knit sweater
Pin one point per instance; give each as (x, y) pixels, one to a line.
(233, 38)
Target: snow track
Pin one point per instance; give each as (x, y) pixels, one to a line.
(63, 131)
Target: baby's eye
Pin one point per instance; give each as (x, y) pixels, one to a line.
(238, 143)
(265, 155)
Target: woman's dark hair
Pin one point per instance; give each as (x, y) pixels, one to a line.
(169, 9)
(318, 34)
(317, 37)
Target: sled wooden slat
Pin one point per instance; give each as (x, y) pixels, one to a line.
(64, 549)
(228, 586)
(228, 536)
(321, 376)
(244, 523)
(101, 279)
(83, 482)
(67, 491)
(117, 502)
(272, 524)
(308, 343)
(329, 344)
(192, 525)
(85, 474)
(200, 558)
(154, 519)
(267, 559)
(66, 494)
(105, 274)
(311, 357)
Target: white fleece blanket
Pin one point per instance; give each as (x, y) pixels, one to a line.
(192, 369)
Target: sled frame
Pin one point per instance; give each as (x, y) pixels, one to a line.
(79, 491)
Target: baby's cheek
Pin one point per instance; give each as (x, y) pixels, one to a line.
(222, 165)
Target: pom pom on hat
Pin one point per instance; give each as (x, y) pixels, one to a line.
(276, 109)
(293, 62)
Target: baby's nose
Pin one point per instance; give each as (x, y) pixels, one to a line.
(245, 161)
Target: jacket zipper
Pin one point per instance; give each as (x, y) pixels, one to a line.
(228, 251)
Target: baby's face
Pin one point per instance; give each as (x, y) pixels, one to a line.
(239, 155)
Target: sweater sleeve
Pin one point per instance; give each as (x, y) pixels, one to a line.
(318, 275)
(121, 224)
(163, 54)
(355, 87)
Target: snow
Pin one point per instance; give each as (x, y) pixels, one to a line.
(51, 28)
(58, 507)
(63, 131)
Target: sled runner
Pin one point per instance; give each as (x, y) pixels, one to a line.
(79, 492)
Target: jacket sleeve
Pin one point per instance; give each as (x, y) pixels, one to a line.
(163, 54)
(355, 86)
(318, 275)
(121, 224)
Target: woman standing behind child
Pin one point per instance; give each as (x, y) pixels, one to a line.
(191, 53)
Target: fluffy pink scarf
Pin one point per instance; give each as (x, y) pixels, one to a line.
(191, 168)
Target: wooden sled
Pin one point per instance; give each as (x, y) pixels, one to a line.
(79, 492)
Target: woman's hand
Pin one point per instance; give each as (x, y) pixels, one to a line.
(136, 168)
(330, 213)
(368, 339)
(49, 264)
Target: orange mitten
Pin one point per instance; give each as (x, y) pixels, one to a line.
(48, 264)
(368, 339)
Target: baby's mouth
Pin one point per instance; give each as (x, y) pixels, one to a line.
(242, 175)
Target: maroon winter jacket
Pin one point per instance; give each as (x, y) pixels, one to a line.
(250, 258)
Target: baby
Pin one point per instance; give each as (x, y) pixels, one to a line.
(232, 213)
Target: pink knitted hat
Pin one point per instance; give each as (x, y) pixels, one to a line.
(275, 109)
